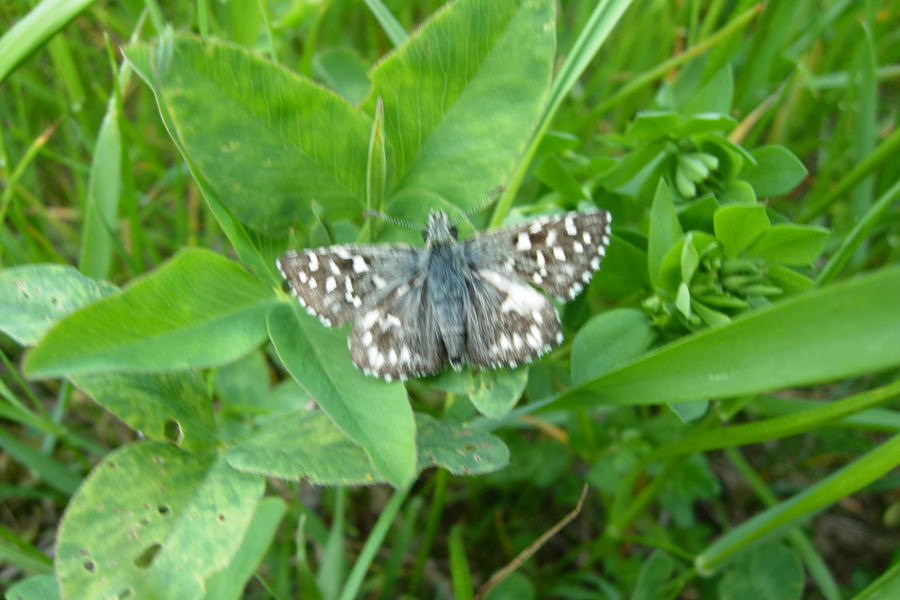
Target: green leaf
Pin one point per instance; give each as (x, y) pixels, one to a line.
(681, 262)
(776, 172)
(494, 393)
(699, 213)
(632, 165)
(653, 125)
(885, 587)
(229, 583)
(714, 96)
(252, 130)
(198, 309)
(557, 177)
(344, 71)
(705, 123)
(655, 573)
(34, 297)
(842, 331)
(768, 572)
(789, 280)
(624, 271)
(144, 509)
(623, 333)
(689, 411)
(665, 230)
(309, 445)
(258, 251)
(790, 244)
(737, 192)
(737, 227)
(376, 415)
(460, 114)
(102, 202)
(165, 407)
(40, 587)
(245, 381)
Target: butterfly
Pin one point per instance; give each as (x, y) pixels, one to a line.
(418, 309)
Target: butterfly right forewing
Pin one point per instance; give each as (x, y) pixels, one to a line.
(556, 253)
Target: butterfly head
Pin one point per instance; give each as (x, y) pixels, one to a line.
(439, 229)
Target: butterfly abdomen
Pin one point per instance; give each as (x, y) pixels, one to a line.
(446, 292)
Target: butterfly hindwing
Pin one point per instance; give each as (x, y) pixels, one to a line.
(398, 336)
(557, 253)
(336, 283)
(507, 321)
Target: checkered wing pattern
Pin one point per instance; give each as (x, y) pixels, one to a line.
(557, 253)
(507, 322)
(336, 283)
(398, 336)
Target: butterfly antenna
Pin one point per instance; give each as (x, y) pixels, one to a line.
(480, 205)
(395, 221)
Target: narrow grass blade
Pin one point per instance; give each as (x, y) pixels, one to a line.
(373, 543)
(846, 481)
(51, 471)
(824, 335)
(770, 429)
(39, 25)
(858, 235)
(388, 21)
(602, 21)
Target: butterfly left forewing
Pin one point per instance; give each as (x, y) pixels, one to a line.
(507, 322)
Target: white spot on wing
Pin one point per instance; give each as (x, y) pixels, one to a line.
(313, 262)
(369, 319)
(359, 265)
(330, 283)
(524, 242)
(559, 253)
(520, 297)
(551, 238)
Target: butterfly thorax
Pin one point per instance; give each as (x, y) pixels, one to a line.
(446, 269)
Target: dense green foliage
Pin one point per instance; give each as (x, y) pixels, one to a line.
(723, 391)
